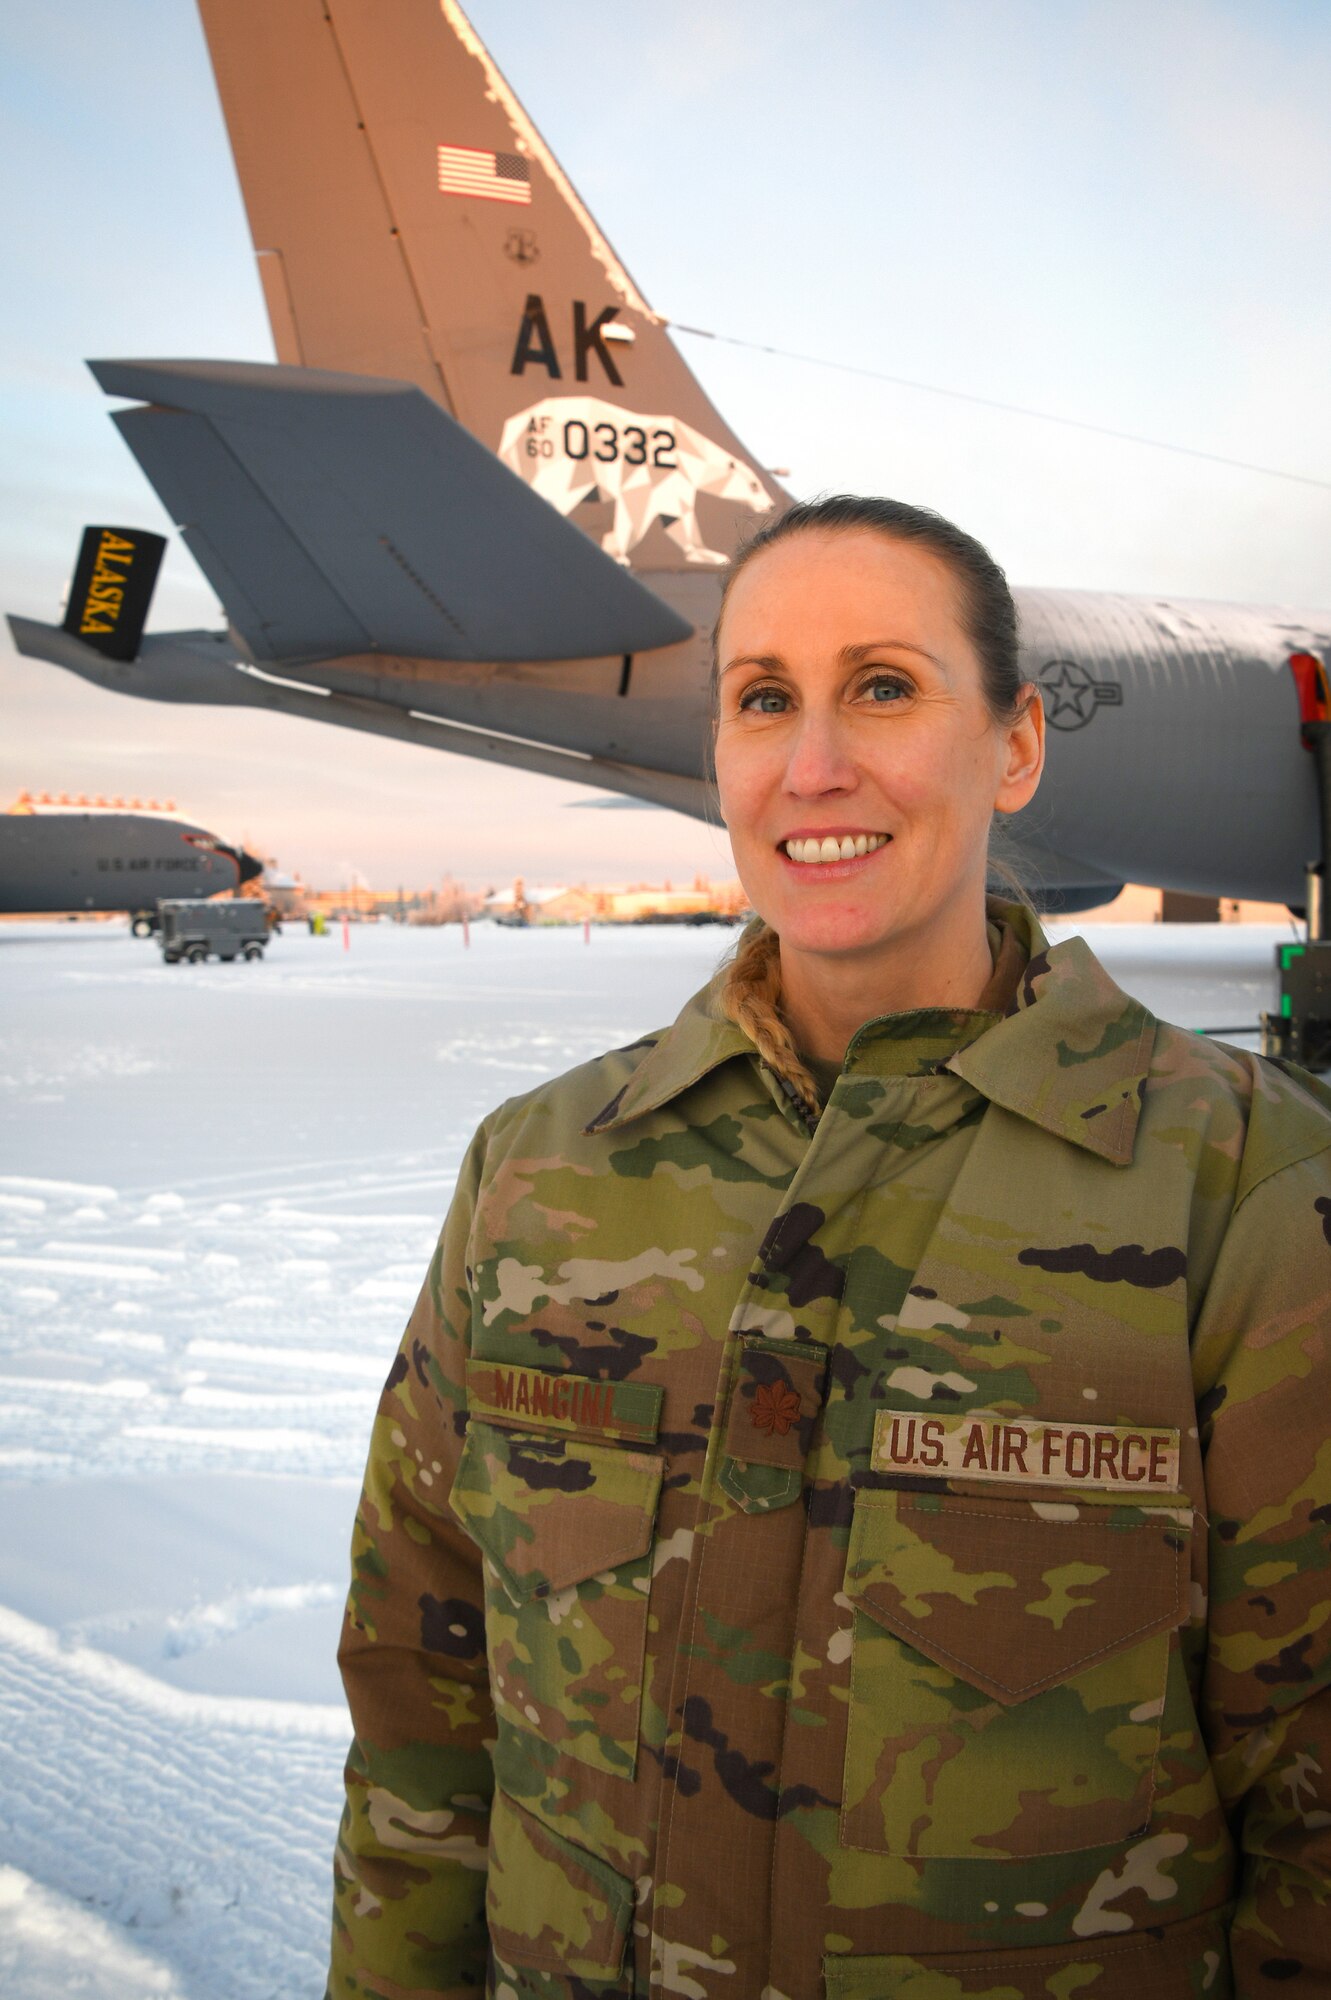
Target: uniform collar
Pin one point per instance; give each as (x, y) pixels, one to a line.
(1071, 1055)
(1073, 1051)
(700, 1039)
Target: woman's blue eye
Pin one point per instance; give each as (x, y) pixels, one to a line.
(887, 690)
(767, 700)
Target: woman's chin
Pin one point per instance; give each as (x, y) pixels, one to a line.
(834, 933)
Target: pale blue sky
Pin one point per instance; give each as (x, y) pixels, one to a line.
(1107, 208)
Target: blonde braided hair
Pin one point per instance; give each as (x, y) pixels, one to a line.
(751, 998)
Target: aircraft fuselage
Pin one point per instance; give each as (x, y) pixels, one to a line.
(79, 861)
(1191, 706)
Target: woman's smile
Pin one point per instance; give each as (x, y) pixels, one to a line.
(831, 854)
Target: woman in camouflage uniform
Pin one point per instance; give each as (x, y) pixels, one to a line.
(849, 1515)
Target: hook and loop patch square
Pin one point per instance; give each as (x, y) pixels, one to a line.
(778, 1394)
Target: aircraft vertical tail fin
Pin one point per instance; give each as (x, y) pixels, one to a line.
(410, 222)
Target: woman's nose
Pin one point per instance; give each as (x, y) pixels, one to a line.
(820, 759)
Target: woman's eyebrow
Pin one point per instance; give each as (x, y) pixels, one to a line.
(771, 663)
(852, 655)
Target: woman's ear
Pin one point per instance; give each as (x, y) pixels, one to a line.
(1023, 760)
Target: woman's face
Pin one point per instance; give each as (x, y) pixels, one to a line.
(851, 712)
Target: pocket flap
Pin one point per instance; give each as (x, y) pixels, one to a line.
(1017, 1595)
(550, 1512)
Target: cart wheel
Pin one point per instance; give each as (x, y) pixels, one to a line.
(141, 927)
(197, 954)
(252, 951)
(170, 958)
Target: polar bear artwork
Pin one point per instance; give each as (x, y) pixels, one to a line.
(649, 468)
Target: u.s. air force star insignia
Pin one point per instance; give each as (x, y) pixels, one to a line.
(1072, 695)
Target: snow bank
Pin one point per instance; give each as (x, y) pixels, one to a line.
(50, 1945)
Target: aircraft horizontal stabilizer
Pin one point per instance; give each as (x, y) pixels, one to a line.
(204, 668)
(338, 514)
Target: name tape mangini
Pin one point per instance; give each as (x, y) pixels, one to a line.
(1106, 1457)
(539, 1399)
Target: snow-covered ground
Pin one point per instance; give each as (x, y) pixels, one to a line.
(219, 1188)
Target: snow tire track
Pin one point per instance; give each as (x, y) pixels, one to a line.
(211, 1842)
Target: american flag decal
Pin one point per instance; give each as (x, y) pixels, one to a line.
(486, 176)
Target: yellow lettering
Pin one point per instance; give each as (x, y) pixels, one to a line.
(110, 544)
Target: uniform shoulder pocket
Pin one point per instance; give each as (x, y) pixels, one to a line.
(1009, 1661)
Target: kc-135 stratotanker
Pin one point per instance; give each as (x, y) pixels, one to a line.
(481, 503)
(79, 854)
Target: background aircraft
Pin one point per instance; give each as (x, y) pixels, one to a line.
(81, 854)
(482, 502)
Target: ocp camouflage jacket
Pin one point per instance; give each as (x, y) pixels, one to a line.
(892, 1561)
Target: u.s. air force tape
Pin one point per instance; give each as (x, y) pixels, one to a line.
(1135, 1458)
(542, 1400)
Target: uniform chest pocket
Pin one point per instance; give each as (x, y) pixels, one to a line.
(1009, 1661)
(566, 1532)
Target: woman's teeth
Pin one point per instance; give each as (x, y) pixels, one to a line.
(829, 848)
